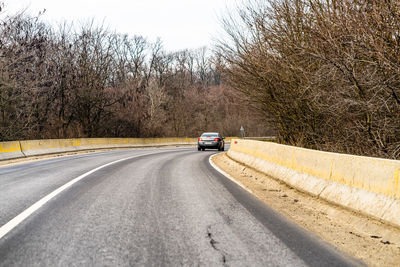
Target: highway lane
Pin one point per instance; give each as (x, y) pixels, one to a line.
(162, 207)
(23, 184)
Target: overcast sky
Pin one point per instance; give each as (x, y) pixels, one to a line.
(179, 23)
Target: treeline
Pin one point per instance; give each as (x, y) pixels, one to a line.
(326, 73)
(60, 82)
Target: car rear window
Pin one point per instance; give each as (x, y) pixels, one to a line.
(207, 134)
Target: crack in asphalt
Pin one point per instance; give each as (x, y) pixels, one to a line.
(214, 243)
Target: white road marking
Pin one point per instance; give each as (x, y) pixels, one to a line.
(226, 175)
(26, 213)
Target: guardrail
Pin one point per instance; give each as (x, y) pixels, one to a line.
(10, 150)
(364, 184)
(20, 149)
(262, 138)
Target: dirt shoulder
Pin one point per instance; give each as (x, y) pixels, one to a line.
(375, 243)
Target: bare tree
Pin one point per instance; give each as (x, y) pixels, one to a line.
(89, 82)
(324, 72)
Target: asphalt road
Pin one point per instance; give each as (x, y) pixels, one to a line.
(158, 207)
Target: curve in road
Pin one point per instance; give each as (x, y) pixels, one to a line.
(162, 207)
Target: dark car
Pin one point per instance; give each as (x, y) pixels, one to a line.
(211, 140)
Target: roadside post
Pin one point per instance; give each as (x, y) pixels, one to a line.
(242, 133)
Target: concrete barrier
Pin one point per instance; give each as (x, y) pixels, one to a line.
(10, 150)
(364, 184)
(18, 149)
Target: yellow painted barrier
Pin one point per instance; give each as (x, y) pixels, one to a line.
(6, 147)
(39, 147)
(17, 149)
(10, 150)
(365, 184)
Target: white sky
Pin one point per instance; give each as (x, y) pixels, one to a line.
(179, 23)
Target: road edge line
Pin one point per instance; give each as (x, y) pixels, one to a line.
(10, 225)
(227, 175)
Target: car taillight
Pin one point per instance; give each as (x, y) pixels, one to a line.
(200, 139)
(216, 139)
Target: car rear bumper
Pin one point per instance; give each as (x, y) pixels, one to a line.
(209, 144)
